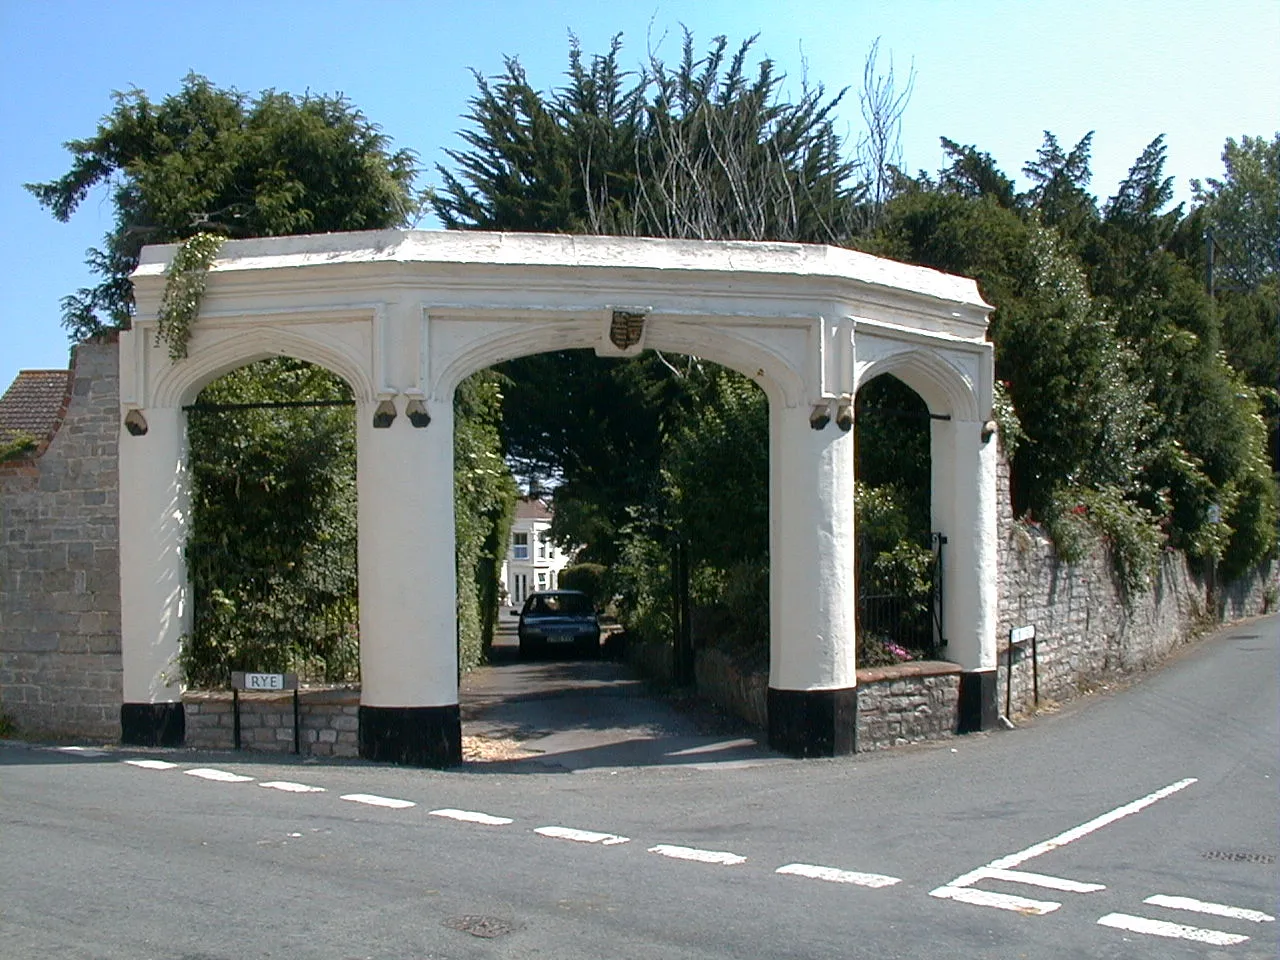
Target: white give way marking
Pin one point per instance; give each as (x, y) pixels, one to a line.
(1003, 868)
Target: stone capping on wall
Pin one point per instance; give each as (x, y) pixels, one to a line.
(912, 668)
(330, 721)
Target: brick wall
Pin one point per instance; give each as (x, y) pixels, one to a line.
(60, 565)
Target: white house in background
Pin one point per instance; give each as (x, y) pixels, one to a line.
(533, 562)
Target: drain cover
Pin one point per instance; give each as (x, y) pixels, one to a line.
(1234, 856)
(486, 927)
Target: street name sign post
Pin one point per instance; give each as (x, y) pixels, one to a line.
(265, 682)
(1019, 636)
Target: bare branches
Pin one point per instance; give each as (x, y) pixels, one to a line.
(880, 148)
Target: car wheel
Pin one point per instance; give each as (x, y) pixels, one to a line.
(589, 648)
(529, 650)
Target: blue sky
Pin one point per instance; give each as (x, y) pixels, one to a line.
(990, 73)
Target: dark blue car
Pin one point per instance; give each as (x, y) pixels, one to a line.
(559, 620)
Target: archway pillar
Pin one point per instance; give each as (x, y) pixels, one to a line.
(964, 511)
(408, 617)
(812, 699)
(155, 601)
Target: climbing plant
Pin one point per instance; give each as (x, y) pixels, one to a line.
(184, 289)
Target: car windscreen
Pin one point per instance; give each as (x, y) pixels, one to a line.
(562, 604)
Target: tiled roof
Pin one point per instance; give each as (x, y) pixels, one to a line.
(531, 508)
(34, 403)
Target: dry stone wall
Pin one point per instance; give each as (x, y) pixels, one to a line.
(60, 565)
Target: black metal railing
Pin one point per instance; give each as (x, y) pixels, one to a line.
(900, 600)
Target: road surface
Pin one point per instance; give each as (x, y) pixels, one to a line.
(1140, 823)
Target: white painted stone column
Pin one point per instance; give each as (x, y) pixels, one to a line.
(408, 613)
(812, 603)
(964, 510)
(155, 598)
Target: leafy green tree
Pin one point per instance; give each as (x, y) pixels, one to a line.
(1243, 210)
(273, 538)
(218, 160)
(1110, 349)
(1239, 216)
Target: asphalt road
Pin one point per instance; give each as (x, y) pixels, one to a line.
(1163, 790)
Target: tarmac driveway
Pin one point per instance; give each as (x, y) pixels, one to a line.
(572, 715)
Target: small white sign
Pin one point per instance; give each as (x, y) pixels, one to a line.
(264, 681)
(1022, 634)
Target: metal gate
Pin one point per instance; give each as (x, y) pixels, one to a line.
(900, 597)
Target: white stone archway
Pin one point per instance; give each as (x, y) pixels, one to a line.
(404, 316)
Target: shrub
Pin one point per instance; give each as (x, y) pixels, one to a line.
(587, 577)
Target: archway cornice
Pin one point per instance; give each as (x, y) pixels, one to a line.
(469, 263)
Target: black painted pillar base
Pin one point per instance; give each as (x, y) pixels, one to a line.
(153, 724)
(979, 707)
(814, 723)
(412, 736)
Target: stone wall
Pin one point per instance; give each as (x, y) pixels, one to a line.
(907, 703)
(1087, 630)
(897, 705)
(329, 721)
(744, 694)
(60, 565)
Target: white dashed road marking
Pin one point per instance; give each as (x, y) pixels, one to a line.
(833, 875)
(701, 856)
(1003, 868)
(471, 816)
(1177, 931)
(289, 787)
(376, 801)
(82, 751)
(151, 764)
(221, 776)
(581, 836)
(1213, 909)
